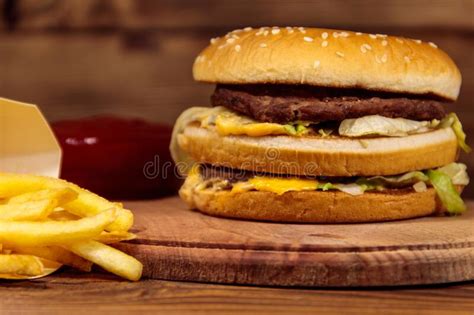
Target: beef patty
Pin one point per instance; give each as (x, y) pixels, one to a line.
(288, 103)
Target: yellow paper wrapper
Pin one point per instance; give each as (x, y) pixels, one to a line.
(27, 143)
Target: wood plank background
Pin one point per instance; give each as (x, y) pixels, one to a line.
(78, 58)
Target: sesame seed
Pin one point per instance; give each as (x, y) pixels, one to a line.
(235, 36)
(260, 31)
(372, 36)
(263, 45)
(316, 64)
(417, 41)
(265, 33)
(407, 59)
(230, 40)
(384, 43)
(214, 40)
(335, 34)
(324, 43)
(275, 31)
(308, 39)
(384, 58)
(381, 35)
(200, 58)
(377, 59)
(340, 54)
(365, 47)
(221, 46)
(237, 48)
(344, 34)
(290, 30)
(433, 45)
(247, 29)
(324, 35)
(358, 33)
(399, 40)
(302, 30)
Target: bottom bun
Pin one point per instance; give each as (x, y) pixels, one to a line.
(314, 206)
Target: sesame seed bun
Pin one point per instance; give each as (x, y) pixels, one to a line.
(324, 57)
(312, 206)
(316, 156)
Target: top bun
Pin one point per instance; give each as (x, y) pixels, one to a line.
(324, 57)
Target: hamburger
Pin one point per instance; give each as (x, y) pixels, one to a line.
(320, 125)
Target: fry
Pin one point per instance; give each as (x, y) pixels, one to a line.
(23, 265)
(87, 203)
(27, 211)
(109, 258)
(114, 237)
(36, 205)
(56, 253)
(62, 215)
(54, 232)
(61, 196)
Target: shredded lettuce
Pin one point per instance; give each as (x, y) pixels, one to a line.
(325, 186)
(325, 132)
(446, 191)
(420, 187)
(296, 129)
(351, 189)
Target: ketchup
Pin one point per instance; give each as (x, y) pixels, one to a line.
(118, 158)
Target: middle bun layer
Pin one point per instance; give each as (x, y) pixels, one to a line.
(315, 156)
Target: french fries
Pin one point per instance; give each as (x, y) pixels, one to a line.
(46, 223)
(86, 204)
(54, 232)
(20, 265)
(28, 211)
(58, 254)
(109, 258)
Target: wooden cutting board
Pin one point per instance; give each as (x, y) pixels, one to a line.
(175, 243)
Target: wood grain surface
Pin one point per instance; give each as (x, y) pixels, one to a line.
(70, 293)
(175, 243)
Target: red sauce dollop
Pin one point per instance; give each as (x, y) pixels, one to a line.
(118, 158)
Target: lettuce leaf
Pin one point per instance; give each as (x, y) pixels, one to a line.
(456, 172)
(452, 120)
(446, 191)
(383, 126)
(183, 161)
(406, 179)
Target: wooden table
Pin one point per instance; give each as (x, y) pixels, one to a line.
(71, 292)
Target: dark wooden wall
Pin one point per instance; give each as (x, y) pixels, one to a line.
(78, 58)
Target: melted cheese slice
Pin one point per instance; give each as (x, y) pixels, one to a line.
(275, 185)
(231, 124)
